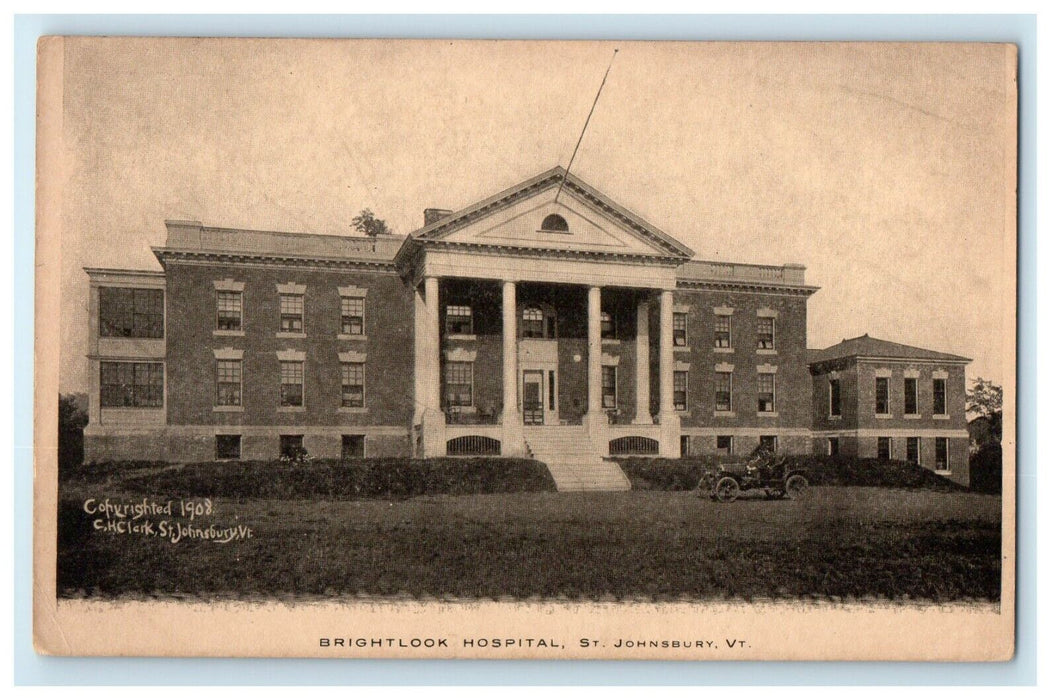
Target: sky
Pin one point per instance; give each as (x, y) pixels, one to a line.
(879, 167)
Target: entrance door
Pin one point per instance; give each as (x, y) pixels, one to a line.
(533, 397)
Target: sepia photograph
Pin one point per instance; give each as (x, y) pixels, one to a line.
(526, 349)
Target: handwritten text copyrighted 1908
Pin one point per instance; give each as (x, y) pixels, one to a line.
(173, 521)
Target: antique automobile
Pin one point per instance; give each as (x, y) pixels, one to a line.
(764, 470)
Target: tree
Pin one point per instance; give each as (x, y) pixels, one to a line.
(367, 224)
(985, 399)
(73, 417)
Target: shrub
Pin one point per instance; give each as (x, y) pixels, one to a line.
(858, 471)
(659, 474)
(106, 472)
(73, 417)
(341, 480)
(986, 469)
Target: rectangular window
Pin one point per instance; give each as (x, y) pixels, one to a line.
(229, 382)
(532, 322)
(131, 384)
(942, 454)
(881, 396)
(912, 450)
(291, 383)
(722, 334)
(835, 397)
(765, 393)
(769, 442)
(353, 447)
(679, 391)
(131, 313)
(551, 390)
(607, 329)
(229, 311)
(723, 391)
(609, 386)
(940, 397)
(459, 383)
(723, 444)
(291, 313)
(832, 446)
(292, 446)
(679, 330)
(352, 385)
(229, 446)
(910, 396)
(884, 448)
(765, 333)
(685, 445)
(352, 316)
(459, 320)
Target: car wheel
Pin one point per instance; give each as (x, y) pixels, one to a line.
(796, 487)
(726, 490)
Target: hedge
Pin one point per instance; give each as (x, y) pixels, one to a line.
(659, 474)
(334, 479)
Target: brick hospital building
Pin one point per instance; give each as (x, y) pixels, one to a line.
(568, 330)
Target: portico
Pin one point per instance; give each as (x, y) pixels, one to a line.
(570, 303)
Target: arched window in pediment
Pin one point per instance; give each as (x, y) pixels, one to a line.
(553, 223)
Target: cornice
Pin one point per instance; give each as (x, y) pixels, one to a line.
(552, 253)
(195, 257)
(844, 362)
(748, 287)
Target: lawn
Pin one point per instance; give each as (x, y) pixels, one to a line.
(847, 542)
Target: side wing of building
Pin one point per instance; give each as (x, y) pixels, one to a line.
(879, 399)
(251, 353)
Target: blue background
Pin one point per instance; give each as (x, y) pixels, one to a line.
(31, 669)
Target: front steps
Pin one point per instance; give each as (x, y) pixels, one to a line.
(567, 452)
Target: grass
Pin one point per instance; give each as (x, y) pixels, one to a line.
(843, 542)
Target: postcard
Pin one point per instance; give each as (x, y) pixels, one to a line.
(525, 349)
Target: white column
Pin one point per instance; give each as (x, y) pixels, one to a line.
(421, 391)
(432, 345)
(665, 354)
(670, 428)
(642, 416)
(510, 352)
(513, 441)
(595, 420)
(433, 423)
(594, 350)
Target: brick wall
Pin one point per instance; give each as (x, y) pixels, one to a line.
(792, 381)
(486, 303)
(861, 426)
(389, 345)
(955, 399)
(847, 377)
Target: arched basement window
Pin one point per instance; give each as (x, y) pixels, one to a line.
(555, 224)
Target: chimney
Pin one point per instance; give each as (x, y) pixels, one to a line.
(431, 215)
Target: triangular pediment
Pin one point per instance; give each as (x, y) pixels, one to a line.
(516, 218)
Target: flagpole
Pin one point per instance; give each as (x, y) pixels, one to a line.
(565, 175)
